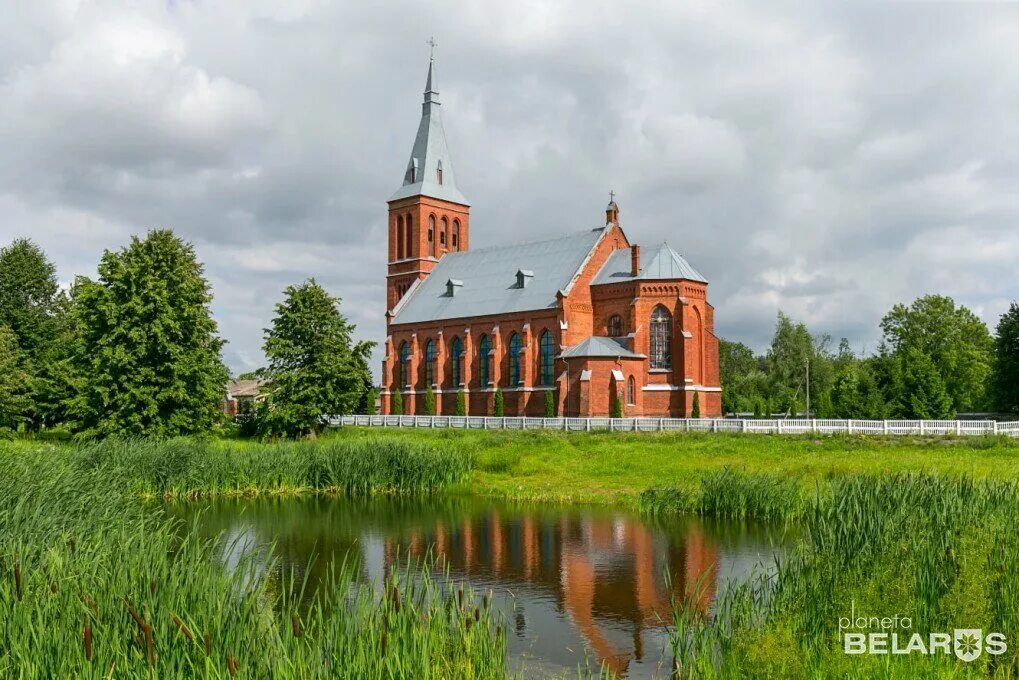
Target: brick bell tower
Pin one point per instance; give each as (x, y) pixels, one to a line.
(428, 216)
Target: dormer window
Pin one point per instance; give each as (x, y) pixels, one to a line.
(412, 171)
(452, 285)
(523, 276)
(438, 173)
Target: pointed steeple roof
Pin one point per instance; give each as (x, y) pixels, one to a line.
(430, 169)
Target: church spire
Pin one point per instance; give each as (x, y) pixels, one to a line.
(430, 169)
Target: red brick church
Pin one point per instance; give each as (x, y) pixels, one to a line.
(586, 315)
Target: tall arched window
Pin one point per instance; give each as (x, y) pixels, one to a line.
(484, 361)
(615, 326)
(546, 357)
(456, 352)
(399, 237)
(514, 360)
(431, 235)
(456, 234)
(408, 251)
(631, 391)
(429, 362)
(443, 228)
(661, 338)
(403, 371)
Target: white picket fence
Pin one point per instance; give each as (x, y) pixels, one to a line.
(749, 425)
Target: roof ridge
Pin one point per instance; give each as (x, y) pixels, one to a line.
(563, 237)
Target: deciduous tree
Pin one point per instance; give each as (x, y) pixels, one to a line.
(315, 368)
(147, 346)
(1005, 382)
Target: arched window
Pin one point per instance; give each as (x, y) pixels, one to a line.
(631, 391)
(444, 227)
(403, 371)
(408, 250)
(399, 237)
(456, 234)
(661, 338)
(514, 360)
(546, 355)
(429, 362)
(431, 235)
(615, 326)
(484, 361)
(456, 352)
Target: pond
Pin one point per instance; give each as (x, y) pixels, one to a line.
(577, 585)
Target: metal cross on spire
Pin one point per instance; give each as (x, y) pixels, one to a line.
(612, 196)
(432, 44)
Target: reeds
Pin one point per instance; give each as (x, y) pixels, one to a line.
(94, 585)
(943, 551)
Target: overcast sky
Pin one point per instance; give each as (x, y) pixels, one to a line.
(827, 161)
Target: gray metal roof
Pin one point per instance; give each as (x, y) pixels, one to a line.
(429, 153)
(661, 262)
(600, 346)
(489, 277)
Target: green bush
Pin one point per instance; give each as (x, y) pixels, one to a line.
(429, 402)
(397, 405)
(461, 403)
(695, 411)
(499, 409)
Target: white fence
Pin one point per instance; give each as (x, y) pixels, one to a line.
(750, 425)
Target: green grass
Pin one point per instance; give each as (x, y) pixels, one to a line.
(619, 467)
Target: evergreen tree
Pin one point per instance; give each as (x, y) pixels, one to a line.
(616, 407)
(758, 407)
(550, 403)
(315, 370)
(146, 343)
(695, 410)
(923, 393)
(461, 403)
(823, 408)
(367, 403)
(1005, 377)
(429, 401)
(499, 408)
(14, 387)
(397, 403)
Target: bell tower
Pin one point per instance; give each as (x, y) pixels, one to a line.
(428, 216)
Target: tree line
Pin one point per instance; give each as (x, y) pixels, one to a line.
(135, 351)
(935, 359)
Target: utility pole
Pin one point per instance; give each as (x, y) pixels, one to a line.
(808, 385)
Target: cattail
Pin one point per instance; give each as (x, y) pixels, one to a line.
(17, 579)
(182, 628)
(152, 586)
(86, 637)
(383, 641)
(477, 614)
(460, 597)
(295, 624)
(396, 600)
(232, 665)
(208, 644)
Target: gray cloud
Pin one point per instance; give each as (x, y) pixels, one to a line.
(827, 161)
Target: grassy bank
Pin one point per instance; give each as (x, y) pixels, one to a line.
(619, 467)
(93, 584)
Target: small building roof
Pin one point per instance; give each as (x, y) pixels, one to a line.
(657, 262)
(600, 346)
(244, 388)
(489, 278)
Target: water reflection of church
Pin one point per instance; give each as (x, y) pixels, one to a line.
(600, 571)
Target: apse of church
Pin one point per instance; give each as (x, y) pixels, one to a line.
(587, 319)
